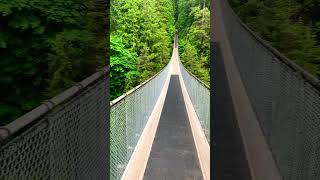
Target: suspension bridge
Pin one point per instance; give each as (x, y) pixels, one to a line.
(265, 119)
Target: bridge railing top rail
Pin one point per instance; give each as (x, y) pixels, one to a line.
(195, 77)
(32, 116)
(315, 82)
(283, 98)
(123, 96)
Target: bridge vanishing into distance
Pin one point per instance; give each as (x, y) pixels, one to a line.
(166, 127)
(264, 116)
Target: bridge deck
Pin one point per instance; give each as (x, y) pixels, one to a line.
(173, 154)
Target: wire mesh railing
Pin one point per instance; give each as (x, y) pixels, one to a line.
(285, 99)
(199, 94)
(64, 138)
(129, 115)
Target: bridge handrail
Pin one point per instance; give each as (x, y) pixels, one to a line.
(195, 77)
(284, 100)
(129, 114)
(314, 81)
(64, 138)
(20, 123)
(123, 96)
(199, 94)
(118, 99)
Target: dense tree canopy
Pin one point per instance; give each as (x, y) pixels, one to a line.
(45, 47)
(193, 23)
(146, 29)
(142, 36)
(123, 66)
(291, 26)
(184, 15)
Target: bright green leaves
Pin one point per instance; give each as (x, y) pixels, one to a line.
(194, 44)
(199, 32)
(185, 17)
(146, 28)
(123, 67)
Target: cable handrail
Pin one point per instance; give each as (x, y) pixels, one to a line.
(314, 81)
(46, 106)
(274, 94)
(199, 94)
(124, 95)
(200, 81)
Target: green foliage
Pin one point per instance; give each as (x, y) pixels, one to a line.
(123, 68)
(146, 28)
(292, 27)
(185, 16)
(45, 47)
(194, 43)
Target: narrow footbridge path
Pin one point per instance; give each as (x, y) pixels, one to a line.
(172, 143)
(173, 154)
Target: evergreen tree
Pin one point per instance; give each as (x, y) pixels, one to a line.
(45, 47)
(291, 26)
(123, 67)
(194, 43)
(146, 28)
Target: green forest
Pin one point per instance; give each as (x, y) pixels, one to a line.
(193, 23)
(45, 47)
(142, 33)
(291, 26)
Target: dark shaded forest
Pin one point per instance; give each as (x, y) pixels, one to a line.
(291, 26)
(142, 34)
(45, 47)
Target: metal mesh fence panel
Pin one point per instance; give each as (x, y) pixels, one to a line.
(129, 116)
(200, 98)
(68, 142)
(286, 104)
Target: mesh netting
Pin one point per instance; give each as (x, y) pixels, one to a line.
(287, 105)
(200, 98)
(69, 142)
(128, 119)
